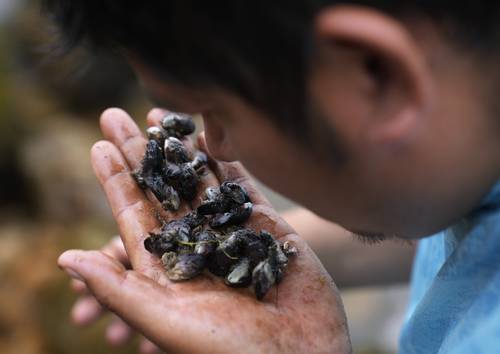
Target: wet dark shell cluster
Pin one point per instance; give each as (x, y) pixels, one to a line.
(168, 169)
(210, 237)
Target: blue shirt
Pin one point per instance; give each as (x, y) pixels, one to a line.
(455, 290)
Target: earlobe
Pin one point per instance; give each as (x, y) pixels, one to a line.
(395, 64)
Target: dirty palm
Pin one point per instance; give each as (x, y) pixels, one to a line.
(183, 315)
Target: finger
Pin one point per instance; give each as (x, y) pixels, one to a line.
(139, 301)
(86, 310)
(120, 129)
(155, 115)
(133, 212)
(148, 347)
(78, 287)
(118, 332)
(115, 248)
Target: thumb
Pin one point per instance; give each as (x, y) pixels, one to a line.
(132, 296)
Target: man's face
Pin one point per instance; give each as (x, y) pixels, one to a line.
(407, 178)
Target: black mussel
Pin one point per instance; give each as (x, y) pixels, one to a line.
(178, 230)
(233, 245)
(212, 193)
(289, 249)
(139, 179)
(278, 260)
(194, 219)
(187, 184)
(220, 261)
(157, 186)
(247, 243)
(199, 162)
(276, 254)
(266, 237)
(173, 172)
(255, 250)
(206, 242)
(210, 207)
(172, 200)
(240, 275)
(234, 192)
(184, 266)
(175, 151)
(184, 179)
(178, 124)
(153, 161)
(158, 244)
(156, 133)
(263, 277)
(151, 171)
(236, 216)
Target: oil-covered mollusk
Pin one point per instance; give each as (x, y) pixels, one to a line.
(230, 200)
(175, 151)
(289, 249)
(184, 266)
(178, 124)
(214, 203)
(194, 219)
(153, 161)
(177, 230)
(219, 263)
(234, 192)
(137, 175)
(171, 200)
(199, 162)
(157, 133)
(158, 244)
(212, 193)
(235, 216)
(187, 184)
(240, 275)
(264, 277)
(206, 242)
(270, 271)
(152, 171)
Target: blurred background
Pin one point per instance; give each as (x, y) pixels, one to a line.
(50, 200)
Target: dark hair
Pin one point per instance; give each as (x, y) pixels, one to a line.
(257, 49)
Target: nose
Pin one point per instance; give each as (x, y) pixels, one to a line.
(217, 140)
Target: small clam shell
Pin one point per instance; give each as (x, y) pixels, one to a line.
(156, 133)
(264, 277)
(183, 266)
(240, 275)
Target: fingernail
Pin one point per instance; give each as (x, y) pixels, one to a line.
(66, 262)
(73, 274)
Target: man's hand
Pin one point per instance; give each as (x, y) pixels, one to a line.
(303, 313)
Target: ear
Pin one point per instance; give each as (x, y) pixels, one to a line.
(400, 88)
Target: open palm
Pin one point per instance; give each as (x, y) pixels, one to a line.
(303, 313)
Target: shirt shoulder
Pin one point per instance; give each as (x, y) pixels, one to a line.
(455, 291)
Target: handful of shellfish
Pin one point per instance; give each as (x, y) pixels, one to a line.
(211, 237)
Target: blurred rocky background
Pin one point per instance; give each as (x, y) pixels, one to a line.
(50, 200)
